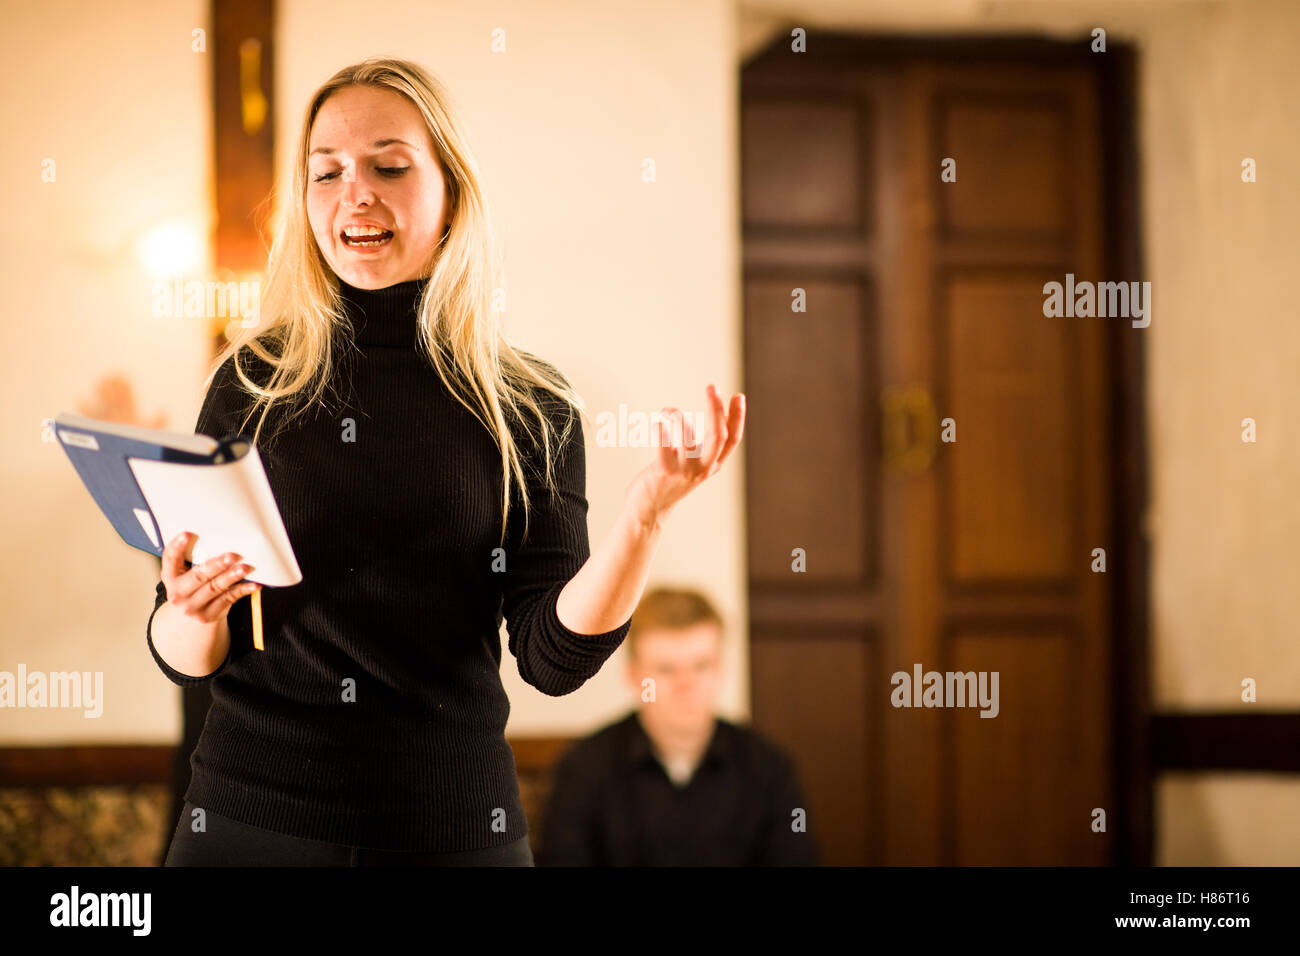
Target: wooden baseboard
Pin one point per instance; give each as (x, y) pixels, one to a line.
(85, 766)
(131, 765)
(1264, 742)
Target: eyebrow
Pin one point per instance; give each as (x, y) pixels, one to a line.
(377, 144)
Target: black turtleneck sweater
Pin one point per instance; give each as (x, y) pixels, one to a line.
(376, 716)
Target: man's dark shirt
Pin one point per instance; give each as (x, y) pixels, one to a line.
(613, 804)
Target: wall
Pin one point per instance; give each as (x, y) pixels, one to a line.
(119, 101)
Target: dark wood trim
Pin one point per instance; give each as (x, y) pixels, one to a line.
(129, 765)
(1268, 742)
(843, 50)
(243, 161)
(1130, 559)
(1263, 742)
(136, 764)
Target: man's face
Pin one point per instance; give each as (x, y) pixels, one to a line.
(686, 666)
(372, 162)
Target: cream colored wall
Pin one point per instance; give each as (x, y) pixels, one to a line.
(1224, 85)
(1220, 84)
(1227, 820)
(118, 100)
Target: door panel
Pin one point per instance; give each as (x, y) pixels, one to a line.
(821, 497)
(1009, 480)
(1011, 165)
(809, 679)
(1026, 823)
(924, 303)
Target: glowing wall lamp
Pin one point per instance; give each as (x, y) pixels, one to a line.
(170, 249)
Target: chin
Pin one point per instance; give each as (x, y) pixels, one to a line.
(366, 278)
(690, 719)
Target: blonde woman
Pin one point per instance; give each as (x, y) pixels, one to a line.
(432, 480)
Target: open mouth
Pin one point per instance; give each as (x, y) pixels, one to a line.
(365, 237)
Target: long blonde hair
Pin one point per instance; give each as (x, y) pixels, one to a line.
(459, 333)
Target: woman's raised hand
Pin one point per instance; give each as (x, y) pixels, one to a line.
(679, 468)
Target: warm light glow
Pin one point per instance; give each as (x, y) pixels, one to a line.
(169, 249)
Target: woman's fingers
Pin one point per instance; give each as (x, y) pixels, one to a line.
(735, 426)
(221, 603)
(173, 560)
(727, 427)
(219, 583)
(205, 591)
(665, 428)
(218, 591)
(724, 432)
(723, 429)
(708, 451)
(201, 583)
(691, 447)
(181, 582)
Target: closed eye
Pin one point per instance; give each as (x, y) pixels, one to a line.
(392, 171)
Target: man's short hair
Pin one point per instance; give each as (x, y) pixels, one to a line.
(673, 609)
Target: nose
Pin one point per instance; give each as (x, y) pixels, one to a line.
(357, 191)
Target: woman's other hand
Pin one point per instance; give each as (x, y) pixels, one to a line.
(679, 468)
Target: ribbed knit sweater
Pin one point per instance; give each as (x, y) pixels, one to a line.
(376, 715)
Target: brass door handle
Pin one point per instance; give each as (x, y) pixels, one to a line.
(909, 428)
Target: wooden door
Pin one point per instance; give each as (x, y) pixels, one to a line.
(876, 546)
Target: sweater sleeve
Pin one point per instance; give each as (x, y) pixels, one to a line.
(173, 675)
(552, 658)
(211, 421)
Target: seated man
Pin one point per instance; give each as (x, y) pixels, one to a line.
(672, 784)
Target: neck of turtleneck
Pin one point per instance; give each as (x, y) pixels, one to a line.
(384, 317)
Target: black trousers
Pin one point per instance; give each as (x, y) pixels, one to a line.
(228, 842)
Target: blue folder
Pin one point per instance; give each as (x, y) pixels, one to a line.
(99, 451)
